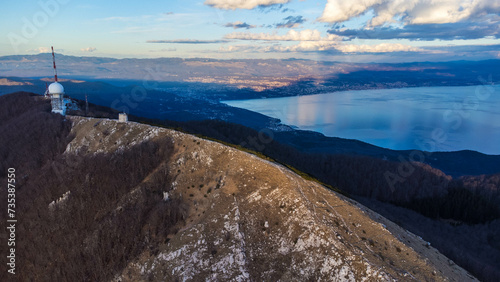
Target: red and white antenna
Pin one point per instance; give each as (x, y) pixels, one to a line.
(54, 61)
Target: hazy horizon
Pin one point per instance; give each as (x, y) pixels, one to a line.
(358, 31)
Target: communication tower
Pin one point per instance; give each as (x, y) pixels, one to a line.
(56, 92)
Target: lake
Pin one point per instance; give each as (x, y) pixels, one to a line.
(425, 118)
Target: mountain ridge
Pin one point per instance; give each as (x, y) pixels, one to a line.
(126, 201)
(255, 78)
(193, 252)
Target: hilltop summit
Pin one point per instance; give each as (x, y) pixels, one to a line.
(250, 219)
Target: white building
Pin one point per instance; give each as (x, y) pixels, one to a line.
(56, 93)
(122, 117)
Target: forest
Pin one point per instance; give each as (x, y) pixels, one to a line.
(56, 238)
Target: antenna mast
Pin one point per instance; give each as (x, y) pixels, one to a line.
(86, 105)
(54, 61)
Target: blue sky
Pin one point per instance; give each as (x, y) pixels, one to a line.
(356, 30)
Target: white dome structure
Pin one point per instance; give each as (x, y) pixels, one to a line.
(56, 93)
(56, 88)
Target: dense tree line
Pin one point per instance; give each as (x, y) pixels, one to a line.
(459, 205)
(475, 247)
(486, 185)
(30, 135)
(100, 227)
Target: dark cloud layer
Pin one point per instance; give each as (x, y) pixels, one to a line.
(467, 49)
(447, 31)
(188, 41)
(236, 25)
(291, 22)
(269, 8)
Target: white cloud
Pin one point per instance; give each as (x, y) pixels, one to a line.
(164, 50)
(409, 12)
(40, 50)
(377, 48)
(309, 41)
(350, 48)
(315, 46)
(242, 4)
(308, 46)
(88, 49)
(187, 41)
(339, 11)
(291, 35)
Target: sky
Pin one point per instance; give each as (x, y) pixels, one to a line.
(335, 30)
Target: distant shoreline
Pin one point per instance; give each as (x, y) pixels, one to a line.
(370, 116)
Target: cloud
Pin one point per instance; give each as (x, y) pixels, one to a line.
(339, 11)
(164, 50)
(239, 24)
(243, 4)
(139, 18)
(40, 50)
(188, 41)
(304, 46)
(409, 12)
(292, 35)
(324, 46)
(447, 31)
(378, 48)
(466, 50)
(309, 41)
(88, 49)
(291, 22)
(309, 46)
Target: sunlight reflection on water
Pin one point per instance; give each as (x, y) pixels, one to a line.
(395, 118)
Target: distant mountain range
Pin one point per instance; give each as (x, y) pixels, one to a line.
(238, 79)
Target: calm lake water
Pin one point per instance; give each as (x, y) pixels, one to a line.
(427, 118)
